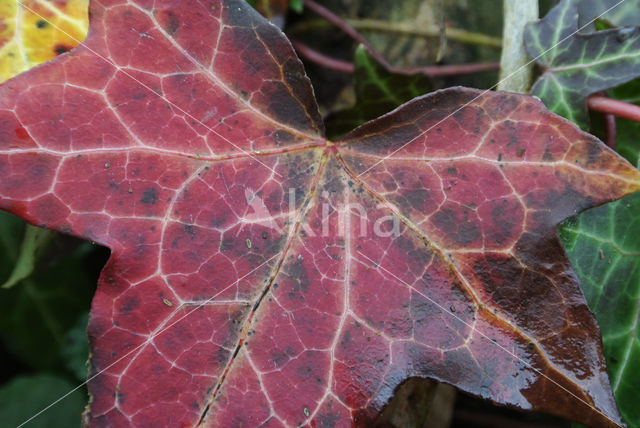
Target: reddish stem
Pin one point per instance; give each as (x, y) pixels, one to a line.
(321, 59)
(432, 71)
(338, 22)
(452, 70)
(614, 107)
(612, 132)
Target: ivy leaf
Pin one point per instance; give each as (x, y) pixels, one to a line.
(378, 91)
(36, 314)
(32, 32)
(603, 246)
(619, 13)
(75, 351)
(34, 241)
(11, 231)
(261, 274)
(576, 65)
(42, 390)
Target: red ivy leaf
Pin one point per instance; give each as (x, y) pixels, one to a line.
(422, 244)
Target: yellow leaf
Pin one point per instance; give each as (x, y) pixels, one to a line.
(35, 31)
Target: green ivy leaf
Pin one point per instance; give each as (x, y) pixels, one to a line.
(34, 241)
(75, 352)
(378, 91)
(604, 249)
(622, 13)
(577, 65)
(296, 5)
(25, 396)
(11, 231)
(35, 317)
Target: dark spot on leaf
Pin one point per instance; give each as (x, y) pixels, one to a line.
(593, 151)
(461, 230)
(172, 24)
(283, 136)
(150, 196)
(626, 33)
(60, 49)
(41, 23)
(418, 198)
(130, 304)
(226, 244)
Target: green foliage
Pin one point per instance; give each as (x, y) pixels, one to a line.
(75, 348)
(577, 65)
(41, 390)
(378, 91)
(604, 249)
(35, 239)
(36, 314)
(11, 231)
(619, 13)
(48, 295)
(296, 5)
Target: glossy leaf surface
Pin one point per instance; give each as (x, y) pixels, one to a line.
(261, 274)
(615, 12)
(575, 64)
(603, 246)
(35, 31)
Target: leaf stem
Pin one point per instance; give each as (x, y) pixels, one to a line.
(432, 71)
(321, 59)
(340, 23)
(617, 108)
(612, 131)
(516, 71)
(342, 66)
(409, 29)
(428, 30)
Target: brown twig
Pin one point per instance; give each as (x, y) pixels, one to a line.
(617, 108)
